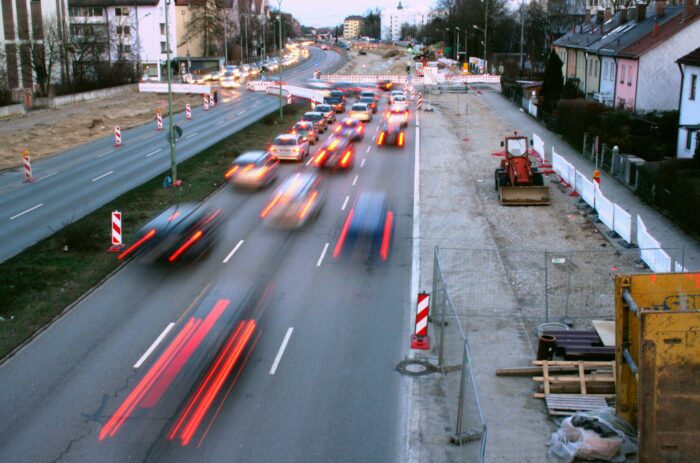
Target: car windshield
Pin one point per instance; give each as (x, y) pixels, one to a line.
(285, 141)
(312, 117)
(359, 107)
(302, 127)
(517, 147)
(323, 108)
(399, 98)
(367, 99)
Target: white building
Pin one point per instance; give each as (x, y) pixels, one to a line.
(689, 120)
(392, 19)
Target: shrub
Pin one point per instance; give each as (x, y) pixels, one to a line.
(6, 96)
(576, 117)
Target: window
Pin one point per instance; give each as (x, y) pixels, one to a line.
(622, 73)
(162, 48)
(121, 11)
(693, 85)
(162, 29)
(127, 48)
(123, 30)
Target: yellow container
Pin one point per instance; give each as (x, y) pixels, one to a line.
(657, 357)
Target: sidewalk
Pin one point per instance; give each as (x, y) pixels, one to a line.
(679, 244)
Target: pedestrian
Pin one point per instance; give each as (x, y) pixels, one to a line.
(216, 96)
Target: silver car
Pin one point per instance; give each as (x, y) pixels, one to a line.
(327, 111)
(290, 146)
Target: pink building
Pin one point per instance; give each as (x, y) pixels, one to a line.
(626, 83)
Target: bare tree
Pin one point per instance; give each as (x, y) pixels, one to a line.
(207, 22)
(88, 45)
(121, 44)
(44, 54)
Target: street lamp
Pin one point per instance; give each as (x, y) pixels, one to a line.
(279, 17)
(482, 31)
(457, 48)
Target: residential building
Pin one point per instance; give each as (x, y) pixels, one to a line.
(352, 27)
(25, 22)
(689, 105)
(391, 20)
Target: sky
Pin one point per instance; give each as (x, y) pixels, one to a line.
(319, 13)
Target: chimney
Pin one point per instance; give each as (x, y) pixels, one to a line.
(599, 17)
(641, 12)
(688, 9)
(623, 15)
(587, 19)
(660, 8)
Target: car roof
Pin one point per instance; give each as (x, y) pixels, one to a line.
(399, 97)
(350, 121)
(251, 157)
(286, 136)
(299, 184)
(324, 105)
(313, 113)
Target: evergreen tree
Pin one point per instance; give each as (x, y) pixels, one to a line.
(553, 81)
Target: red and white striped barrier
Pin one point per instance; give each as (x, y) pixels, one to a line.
(211, 100)
(313, 103)
(28, 178)
(421, 340)
(117, 244)
(206, 103)
(159, 121)
(188, 112)
(413, 93)
(117, 137)
(420, 101)
(289, 99)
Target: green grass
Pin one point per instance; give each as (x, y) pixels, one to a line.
(39, 283)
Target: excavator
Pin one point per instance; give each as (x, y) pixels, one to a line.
(517, 180)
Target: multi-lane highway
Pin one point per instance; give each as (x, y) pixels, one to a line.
(78, 181)
(293, 351)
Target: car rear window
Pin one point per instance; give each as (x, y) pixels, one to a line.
(285, 141)
(323, 108)
(359, 107)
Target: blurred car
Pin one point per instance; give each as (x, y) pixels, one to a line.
(253, 169)
(307, 131)
(391, 133)
(318, 119)
(336, 153)
(385, 85)
(398, 113)
(327, 111)
(231, 69)
(351, 128)
(395, 93)
(297, 200)
(215, 75)
(229, 81)
(369, 94)
(399, 101)
(337, 103)
(182, 231)
(201, 78)
(369, 101)
(368, 228)
(361, 111)
(290, 146)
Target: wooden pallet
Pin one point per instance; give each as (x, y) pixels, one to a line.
(579, 372)
(568, 404)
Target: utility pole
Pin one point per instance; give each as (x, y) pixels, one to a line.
(171, 134)
(522, 35)
(486, 33)
(279, 16)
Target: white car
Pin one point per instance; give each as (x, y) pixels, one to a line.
(399, 102)
(290, 146)
(361, 112)
(229, 81)
(396, 93)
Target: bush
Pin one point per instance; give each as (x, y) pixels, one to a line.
(651, 136)
(101, 76)
(576, 117)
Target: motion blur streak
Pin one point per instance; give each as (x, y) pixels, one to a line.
(216, 379)
(343, 234)
(193, 329)
(231, 171)
(320, 157)
(381, 139)
(384, 250)
(271, 205)
(174, 216)
(346, 159)
(131, 248)
(401, 139)
(261, 172)
(211, 217)
(308, 205)
(197, 235)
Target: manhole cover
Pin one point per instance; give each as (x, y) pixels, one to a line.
(415, 367)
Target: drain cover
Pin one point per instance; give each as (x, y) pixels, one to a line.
(415, 367)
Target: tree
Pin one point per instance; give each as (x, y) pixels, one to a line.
(553, 81)
(87, 46)
(535, 26)
(43, 52)
(372, 24)
(409, 31)
(207, 22)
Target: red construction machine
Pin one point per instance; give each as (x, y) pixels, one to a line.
(517, 180)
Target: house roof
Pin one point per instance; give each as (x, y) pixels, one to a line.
(355, 18)
(659, 30)
(692, 58)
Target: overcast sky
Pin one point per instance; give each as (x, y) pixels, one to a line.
(319, 13)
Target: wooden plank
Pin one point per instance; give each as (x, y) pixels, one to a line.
(541, 395)
(592, 378)
(545, 370)
(573, 363)
(537, 370)
(568, 404)
(582, 378)
(606, 331)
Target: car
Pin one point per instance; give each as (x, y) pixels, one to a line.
(318, 119)
(351, 128)
(385, 85)
(337, 103)
(253, 169)
(215, 75)
(183, 231)
(368, 228)
(235, 70)
(201, 78)
(369, 93)
(307, 131)
(289, 146)
(370, 102)
(327, 111)
(398, 113)
(399, 101)
(391, 133)
(397, 92)
(336, 153)
(298, 200)
(361, 111)
(229, 81)
(337, 94)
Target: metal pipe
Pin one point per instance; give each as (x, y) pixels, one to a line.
(630, 301)
(442, 328)
(171, 134)
(630, 361)
(546, 288)
(462, 391)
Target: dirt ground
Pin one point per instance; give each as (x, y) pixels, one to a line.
(48, 131)
(380, 61)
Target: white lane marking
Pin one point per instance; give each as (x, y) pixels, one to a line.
(323, 254)
(309, 161)
(369, 148)
(105, 154)
(28, 210)
(362, 164)
(374, 137)
(154, 345)
(219, 123)
(354, 182)
(45, 177)
(276, 363)
(345, 203)
(230, 254)
(102, 176)
(240, 112)
(154, 152)
(190, 135)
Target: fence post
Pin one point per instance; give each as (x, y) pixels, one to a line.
(431, 315)
(565, 319)
(457, 439)
(585, 141)
(546, 288)
(442, 327)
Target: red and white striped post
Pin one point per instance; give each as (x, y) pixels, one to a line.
(313, 103)
(159, 121)
(188, 112)
(117, 137)
(413, 93)
(117, 244)
(211, 100)
(206, 103)
(289, 99)
(28, 178)
(421, 340)
(420, 101)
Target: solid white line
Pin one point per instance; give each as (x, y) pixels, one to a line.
(28, 210)
(154, 152)
(281, 351)
(362, 164)
(102, 176)
(309, 161)
(219, 123)
(240, 112)
(369, 148)
(46, 176)
(354, 182)
(105, 154)
(345, 203)
(323, 254)
(190, 135)
(154, 345)
(373, 137)
(230, 254)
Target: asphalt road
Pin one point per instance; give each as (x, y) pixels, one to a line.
(76, 182)
(316, 381)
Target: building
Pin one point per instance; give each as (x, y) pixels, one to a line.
(391, 20)
(352, 27)
(25, 22)
(689, 105)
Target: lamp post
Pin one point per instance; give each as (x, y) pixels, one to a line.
(482, 31)
(279, 17)
(457, 48)
(522, 35)
(486, 33)
(171, 134)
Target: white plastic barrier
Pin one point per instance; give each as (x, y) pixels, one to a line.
(560, 166)
(585, 188)
(623, 223)
(679, 268)
(538, 146)
(656, 258)
(152, 87)
(439, 77)
(605, 208)
(258, 85)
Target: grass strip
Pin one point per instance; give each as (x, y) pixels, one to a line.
(40, 282)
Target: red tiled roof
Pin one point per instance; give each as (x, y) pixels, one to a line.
(663, 32)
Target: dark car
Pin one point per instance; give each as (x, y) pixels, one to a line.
(336, 153)
(183, 231)
(337, 103)
(253, 169)
(351, 128)
(370, 102)
(385, 85)
(297, 200)
(391, 132)
(327, 111)
(318, 119)
(368, 228)
(306, 130)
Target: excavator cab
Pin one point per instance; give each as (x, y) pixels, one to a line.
(517, 181)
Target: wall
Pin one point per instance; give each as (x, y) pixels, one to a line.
(607, 76)
(689, 111)
(593, 74)
(625, 90)
(659, 80)
(581, 69)
(12, 110)
(183, 14)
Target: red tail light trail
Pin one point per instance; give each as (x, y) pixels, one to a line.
(269, 207)
(134, 246)
(343, 234)
(308, 204)
(380, 141)
(231, 171)
(401, 139)
(320, 157)
(386, 238)
(190, 241)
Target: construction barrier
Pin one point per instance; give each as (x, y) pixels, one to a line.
(605, 208)
(188, 112)
(117, 244)
(656, 258)
(206, 103)
(159, 121)
(538, 146)
(420, 339)
(117, 137)
(420, 101)
(585, 188)
(211, 100)
(289, 99)
(623, 224)
(28, 178)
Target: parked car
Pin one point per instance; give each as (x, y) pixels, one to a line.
(290, 146)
